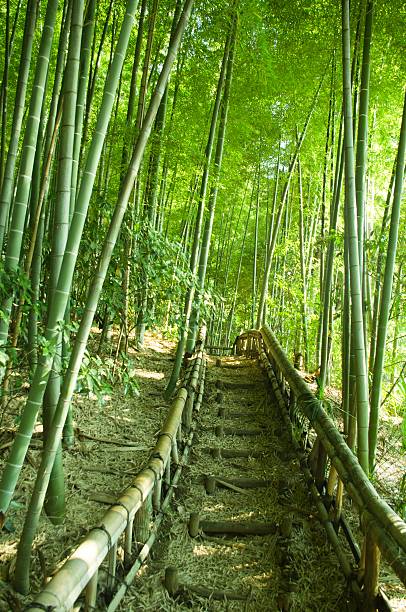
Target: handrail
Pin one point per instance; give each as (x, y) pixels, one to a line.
(80, 570)
(378, 519)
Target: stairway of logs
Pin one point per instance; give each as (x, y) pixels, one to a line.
(243, 532)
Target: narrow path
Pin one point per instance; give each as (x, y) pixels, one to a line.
(291, 566)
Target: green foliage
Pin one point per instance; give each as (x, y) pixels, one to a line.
(100, 375)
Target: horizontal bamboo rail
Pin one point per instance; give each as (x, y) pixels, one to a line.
(379, 522)
(132, 511)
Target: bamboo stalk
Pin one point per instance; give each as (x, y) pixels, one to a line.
(144, 552)
(91, 593)
(112, 565)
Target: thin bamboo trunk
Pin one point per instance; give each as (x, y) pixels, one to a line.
(20, 203)
(204, 254)
(351, 229)
(18, 451)
(55, 499)
(69, 383)
(198, 227)
(255, 254)
(386, 293)
(303, 269)
(7, 184)
(271, 249)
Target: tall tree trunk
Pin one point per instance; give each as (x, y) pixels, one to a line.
(41, 483)
(386, 293)
(35, 397)
(351, 229)
(198, 227)
(7, 184)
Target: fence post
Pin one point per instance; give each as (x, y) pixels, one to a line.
(142, 521)
(128, 542)
(111, 568)
(91, 592)
(371, 576)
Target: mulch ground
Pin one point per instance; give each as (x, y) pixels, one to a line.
(298, 571)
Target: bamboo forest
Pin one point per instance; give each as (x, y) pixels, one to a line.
(202, 305)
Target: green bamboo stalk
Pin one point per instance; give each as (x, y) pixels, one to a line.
(237, 279)
(303, 268)
(42, 371)
(69, 383)
(362, 133)
(351, 229)
(4, 92)
(143, 297)
(94, 70)
(329, 264)
(85, 58)
(197, 229)
(255, 254)
(55, 499)
(218, 158)
(271, 249)
(7, 184)
(38, 204)
(386, 293)
(125, 155)
(16, 231)
(378, 273)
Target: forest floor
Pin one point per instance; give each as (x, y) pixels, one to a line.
(114, 443)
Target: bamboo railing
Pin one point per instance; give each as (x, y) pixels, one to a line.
(383, 530)
(130, 526)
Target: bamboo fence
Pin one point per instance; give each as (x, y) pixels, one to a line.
(130, 526)
(383, 530)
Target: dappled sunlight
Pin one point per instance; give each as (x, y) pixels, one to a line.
(151, 375)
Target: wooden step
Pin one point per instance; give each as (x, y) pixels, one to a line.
(232, 453)
(229, 527)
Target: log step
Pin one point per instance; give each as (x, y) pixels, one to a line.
(231, 453)
(234, 366)
(229, 527)
(241, 385)
(239, 483)
(230, 431)
(175, 588)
